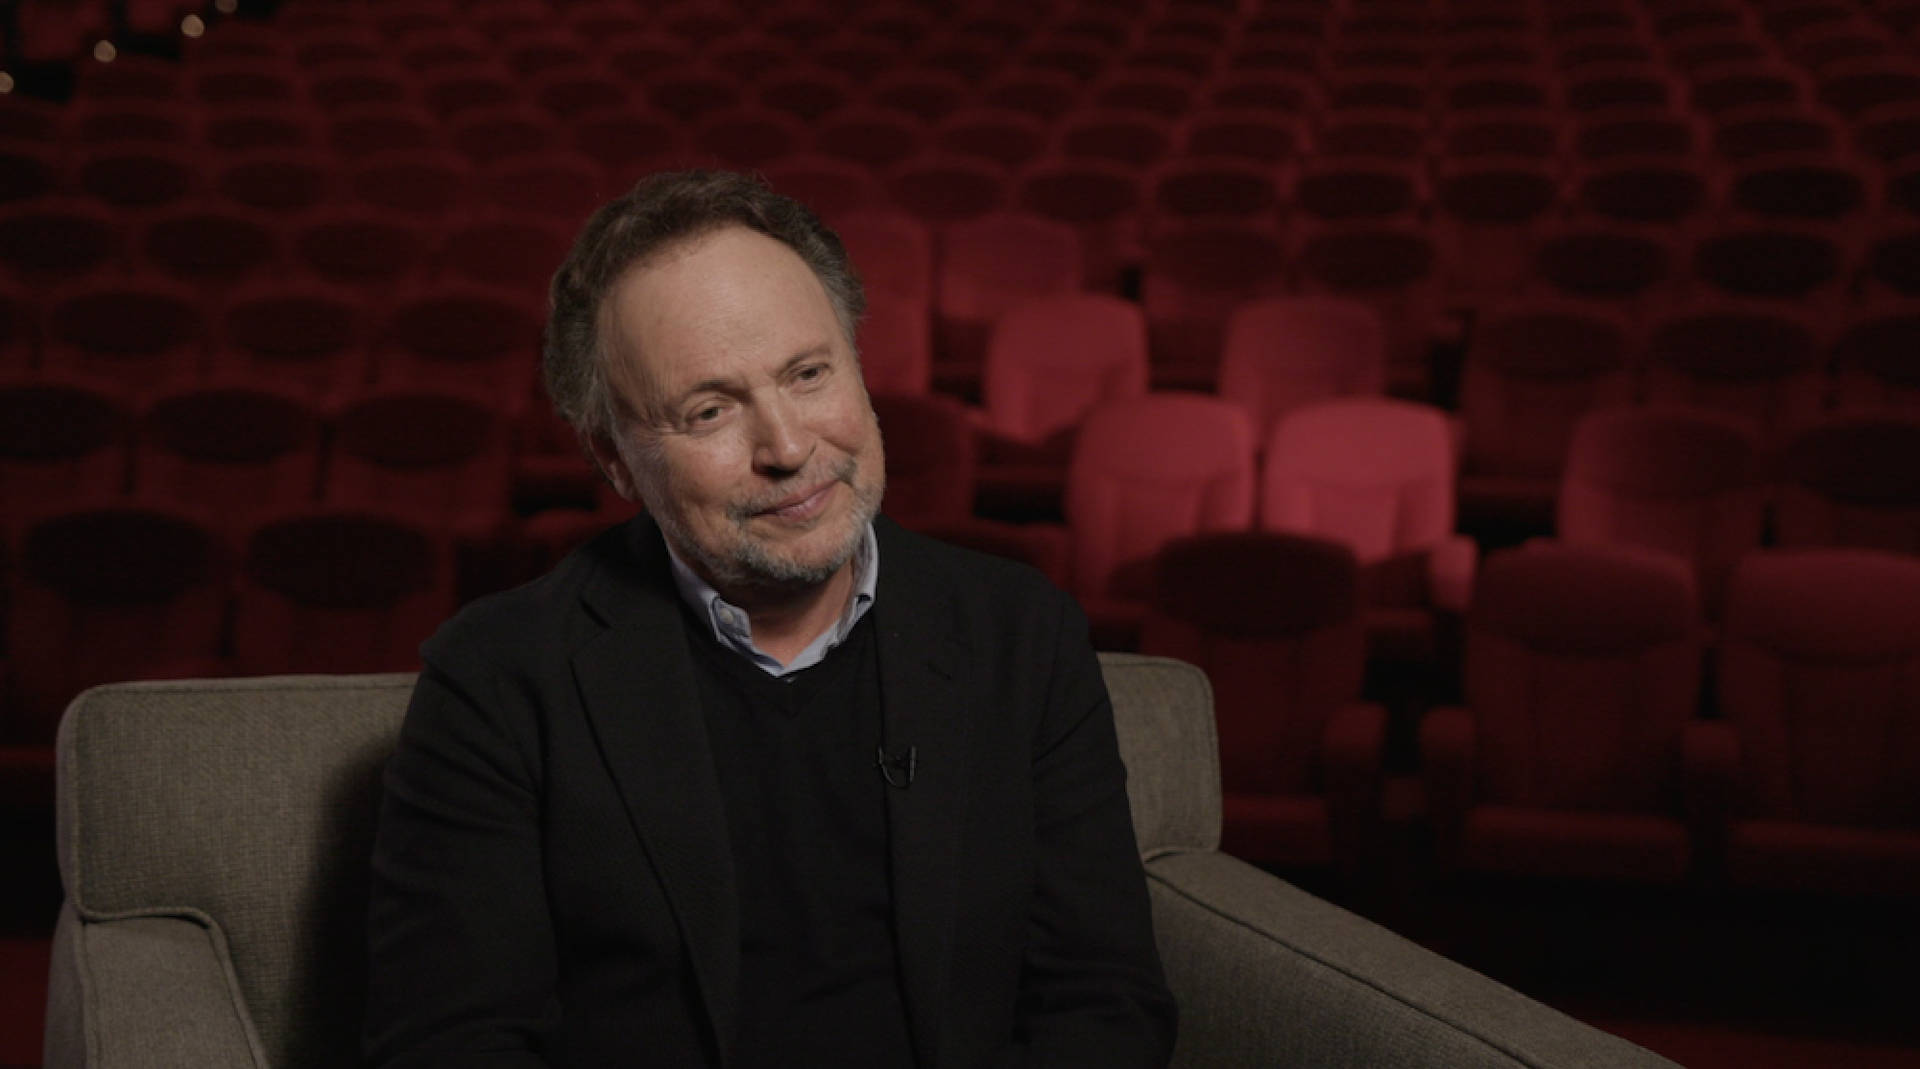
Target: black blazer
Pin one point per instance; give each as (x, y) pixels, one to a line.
(552, 882)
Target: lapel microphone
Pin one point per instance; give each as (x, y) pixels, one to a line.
(897, 769)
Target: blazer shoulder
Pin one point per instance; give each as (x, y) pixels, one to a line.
(970, 572)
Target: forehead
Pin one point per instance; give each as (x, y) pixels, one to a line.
(721, 304)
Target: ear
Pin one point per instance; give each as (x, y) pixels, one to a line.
(606, 456)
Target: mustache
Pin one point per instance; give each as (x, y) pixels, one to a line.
(843, 472)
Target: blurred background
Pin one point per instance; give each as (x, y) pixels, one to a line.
(1514, 405)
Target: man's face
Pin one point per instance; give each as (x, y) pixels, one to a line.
(751, 440)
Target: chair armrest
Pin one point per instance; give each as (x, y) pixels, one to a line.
(1710, 774)
(1451, 566)
(145, 993)
(1446, 766)
(1265, 974)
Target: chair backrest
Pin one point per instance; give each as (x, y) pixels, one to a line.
(1851, 481)
(1052, 359)
(435, 453)
(1582, 667)
(1147, 470)
(931, 458)
(1679, 480)
(257, 802)
(238, 446)
(1283, 352)
(1761, 365)
(1374, 473)
(1532, 371)
(1273, 620)
(268, 843)
(113, 590)
(338, 590)
(1820, 673)
(62, 439)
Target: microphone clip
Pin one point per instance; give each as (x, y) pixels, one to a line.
(897, 769)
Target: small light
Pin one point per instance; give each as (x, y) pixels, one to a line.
(104, 51)
(6, 82)
(192, 26)
(226, 7)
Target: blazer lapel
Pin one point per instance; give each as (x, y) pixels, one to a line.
(922, 693)
(637, 683)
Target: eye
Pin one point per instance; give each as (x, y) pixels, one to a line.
(810, 373)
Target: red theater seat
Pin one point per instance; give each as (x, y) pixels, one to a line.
(109, 592)
(1147, 470)
(332, 590)
(1376, 475)
(438, 455)
(1582, 674)
(1282, 353)
(1680, 481)
(1852, 481)
(987, 267)
(1273, 621)
(1759, 364)
(1876, 359)
(234, 448)
(63, 440)
(1533, 369)
(931, 459)
(1818, 758)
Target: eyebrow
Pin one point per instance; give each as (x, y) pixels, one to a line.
(725, 385)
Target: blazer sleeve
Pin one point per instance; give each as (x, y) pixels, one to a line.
(461, 953)
(1092, 990)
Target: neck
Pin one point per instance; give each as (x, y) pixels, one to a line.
(786, 619)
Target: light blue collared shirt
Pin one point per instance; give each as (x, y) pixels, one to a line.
(732, 628)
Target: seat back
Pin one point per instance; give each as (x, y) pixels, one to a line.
(1374, 473)
(1678, 480)
(108, 591)
(931, 458)
(1851, 481)
(1532, 371)
(1582, 668)
(255, 817)
(257, 803)
(1148, 470)
(1052, 359)
(1273, 620)
(1283, 352)
(1820, 673)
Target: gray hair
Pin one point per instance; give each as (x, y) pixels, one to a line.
(661, 211)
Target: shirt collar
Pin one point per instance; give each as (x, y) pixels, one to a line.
(732, 628)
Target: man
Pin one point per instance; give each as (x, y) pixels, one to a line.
(758, 778)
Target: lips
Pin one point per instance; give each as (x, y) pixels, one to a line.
(801, 506)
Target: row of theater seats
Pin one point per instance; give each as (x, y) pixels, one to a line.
(153, 589)
(1532, 371)
(1579, 750)
(244, 447)
(1417, 220)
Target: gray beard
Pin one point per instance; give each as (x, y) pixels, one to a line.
(750, 566)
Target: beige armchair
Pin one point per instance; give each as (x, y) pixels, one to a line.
(214, 838)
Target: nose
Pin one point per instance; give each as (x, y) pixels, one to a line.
(782, 440)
